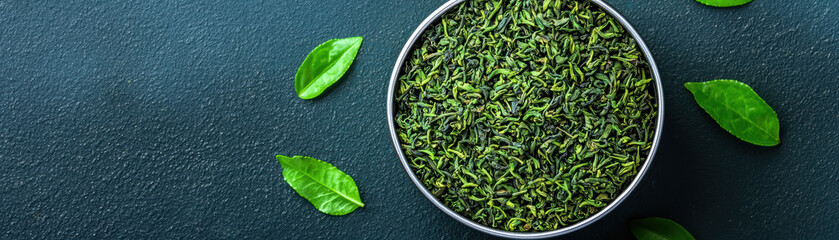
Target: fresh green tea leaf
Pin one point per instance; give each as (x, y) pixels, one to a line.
(325, 65)
(656, 228)
(331, 191)
(738, 109)
(724, 3)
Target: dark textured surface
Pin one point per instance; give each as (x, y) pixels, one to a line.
(160, 120)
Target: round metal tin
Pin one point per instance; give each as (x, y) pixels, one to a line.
(522, 235)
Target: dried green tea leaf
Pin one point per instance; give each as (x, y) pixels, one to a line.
(325, 65)
(738, 109)
(523, 115)
(331, 191)
(656, 228)
(724, 3)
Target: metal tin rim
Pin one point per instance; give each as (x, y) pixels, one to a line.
(523, 235)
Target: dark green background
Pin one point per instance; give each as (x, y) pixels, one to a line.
(161, 119)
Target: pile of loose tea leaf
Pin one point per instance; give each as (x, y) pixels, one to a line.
(526, 115)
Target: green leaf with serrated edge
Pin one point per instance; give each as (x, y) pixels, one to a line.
(325, 65)
(738, 110)
(331, 191)
(724, 3)
(656, 228)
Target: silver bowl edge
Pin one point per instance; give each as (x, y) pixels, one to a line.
(523, 235)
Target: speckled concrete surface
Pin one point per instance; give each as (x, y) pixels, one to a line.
(150, 119)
